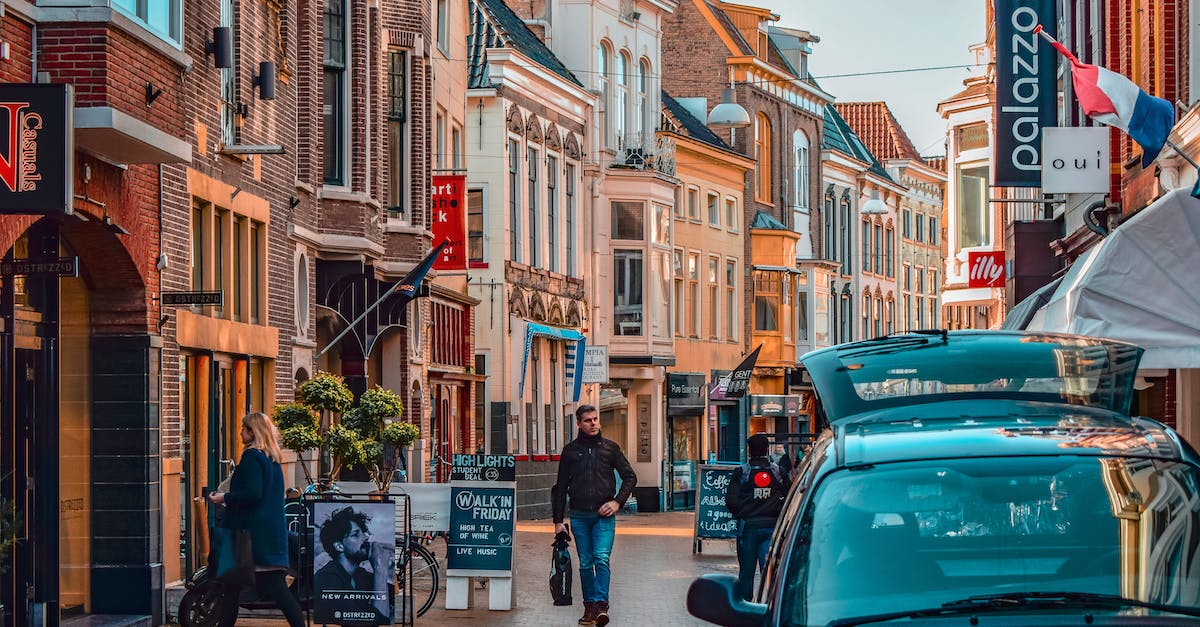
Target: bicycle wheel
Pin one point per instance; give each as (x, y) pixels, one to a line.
(424, 579)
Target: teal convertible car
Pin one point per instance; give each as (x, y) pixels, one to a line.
(979, 478)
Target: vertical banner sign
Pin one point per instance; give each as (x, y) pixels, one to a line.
(448, 206)
(37, 151)
(1026, 89)
(354, 562)
(986, 269)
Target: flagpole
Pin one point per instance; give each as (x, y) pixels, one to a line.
(1182, 155)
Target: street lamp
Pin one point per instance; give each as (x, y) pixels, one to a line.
(728, 114)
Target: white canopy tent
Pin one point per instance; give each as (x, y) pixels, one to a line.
(1141, 284)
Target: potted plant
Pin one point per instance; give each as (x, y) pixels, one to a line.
(384, 436)
(300, 431)
(327, 394)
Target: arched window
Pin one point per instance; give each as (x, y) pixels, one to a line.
(866, 317)
(644, 123)
(603, 73)
(762, 157)
(621, 111)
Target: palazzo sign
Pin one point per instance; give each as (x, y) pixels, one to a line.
(37, 151)
(1026, 89)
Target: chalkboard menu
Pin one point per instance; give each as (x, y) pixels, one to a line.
(482, 516)
(713, 520)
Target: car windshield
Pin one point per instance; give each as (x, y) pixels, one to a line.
(909, 369)
(906, 536)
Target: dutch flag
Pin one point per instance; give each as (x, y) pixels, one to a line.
(1112, 99)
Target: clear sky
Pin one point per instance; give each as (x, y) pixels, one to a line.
(873, 35)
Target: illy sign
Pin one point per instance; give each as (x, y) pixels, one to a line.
(987, 269)
(36, 149)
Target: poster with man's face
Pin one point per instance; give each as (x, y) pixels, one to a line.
(354, 562)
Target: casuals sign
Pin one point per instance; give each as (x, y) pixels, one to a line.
(1026, 89)
(448, 206)
(1075, 160)
(63, 266)
(777, 405)
(483, 468)
(354, 549)
(193, 298)
(685, 394)
(986, 269)
(37, 149)
(713, 519)
(482, 516)
(595, 364)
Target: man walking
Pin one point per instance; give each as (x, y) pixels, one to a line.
(586, 480)
(755, 497)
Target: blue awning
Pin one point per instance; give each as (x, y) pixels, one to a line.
(573, 363)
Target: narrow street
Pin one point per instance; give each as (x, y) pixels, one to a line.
(652, 568)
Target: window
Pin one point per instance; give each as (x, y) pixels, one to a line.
(621, 110)
(627, 292)
(239, 258)
(908, 312)
(228, 256)
(439, 137)
(762, 157)
(164, 18)
(660, 229)
(731, 306)
(878, 249)
(644, 122)
(800, 189)
(693, 276)
(933, 230)
(514, 200)
(906, 224)
(302, 296)
(256, 272)
(677, 210)
(847, 247)
(531, 169)
(397, 117)
(552, 212)
(456, 148)
(920, 234)
(934, 288)
(199, 254)
(714, 209)
(974, 223)
(802, 316)
(714, 297)
(693, 203)
(731, 220)
(229, 94)
(889, 245)
(443, 26)
(866, 317)
(908, 277)
(878, 318)
(766, 300)
(891, 316)
(604, 76)
(866, 246)
(475, 240)
(628, 219)
(333, 110)
(572, 265)
(920, 272)
(220, 241)
(920, 312)
(680, 305)
(831, 233)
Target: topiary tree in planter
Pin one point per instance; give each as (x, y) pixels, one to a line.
(385, 436)
(328, 394)
(300, 431)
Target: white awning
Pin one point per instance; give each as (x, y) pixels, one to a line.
(1141, 284)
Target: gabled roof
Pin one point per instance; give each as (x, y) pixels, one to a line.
(841, 137)
(764, 220)
(689, 125)
(736, 35)
(879, 129)
(494, 25)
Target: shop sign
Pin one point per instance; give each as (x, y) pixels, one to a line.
(775, 405)
(1075, 160)
(1026, 89)
(448, 206)
(595, 364)
(734, 385)
(63, 267)
(713, 519)
(337, 598)
(37, 151)
(483, 467)
(685, 394)
(216, 298)
(986, 269)
(482, 523)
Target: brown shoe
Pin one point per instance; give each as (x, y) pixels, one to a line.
(589, 614)
(601, 613)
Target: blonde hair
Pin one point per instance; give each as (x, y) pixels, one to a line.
(266, 435)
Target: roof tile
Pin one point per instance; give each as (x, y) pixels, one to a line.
(879, 129)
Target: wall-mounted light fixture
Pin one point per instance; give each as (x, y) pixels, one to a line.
(220, 47)
(728, 114)
(265, 80)
(874, 206)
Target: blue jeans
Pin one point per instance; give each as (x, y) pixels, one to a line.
(593, 543)
(752, 545)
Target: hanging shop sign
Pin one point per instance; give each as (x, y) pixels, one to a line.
(775, 405)
(448, 207)
(734, 385)
(986, 269)
(595, 364)
(37, 151)
(685, 394)
(63, 267)
(169, 299)
(1075, 160)
(1026, 89)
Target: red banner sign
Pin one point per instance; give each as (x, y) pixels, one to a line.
(448, 204)
(986, 269)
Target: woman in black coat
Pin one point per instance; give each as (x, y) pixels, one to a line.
(255, 502)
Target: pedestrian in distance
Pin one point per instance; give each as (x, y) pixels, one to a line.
(255, 502)
(587, 483)
(755, 497)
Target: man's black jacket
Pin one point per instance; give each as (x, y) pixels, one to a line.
(756, 505)
(585, 475)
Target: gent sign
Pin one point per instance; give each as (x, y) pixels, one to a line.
(1075, 160)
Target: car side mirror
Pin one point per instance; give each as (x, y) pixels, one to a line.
(714, 598)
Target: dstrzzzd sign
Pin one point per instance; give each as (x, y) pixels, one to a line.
(36, 148)
(1026, 89)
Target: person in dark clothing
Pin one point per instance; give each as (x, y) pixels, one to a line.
(255, 502)
(344, 587)
(586, 479)
(755, 497)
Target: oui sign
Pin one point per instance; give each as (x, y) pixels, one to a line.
(986, 269)
(1075, 160)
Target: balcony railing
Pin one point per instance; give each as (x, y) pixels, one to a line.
(645, 151)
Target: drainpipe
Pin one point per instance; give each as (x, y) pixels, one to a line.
(1090, 220)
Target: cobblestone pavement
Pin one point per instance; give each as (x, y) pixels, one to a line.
(652, 563)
